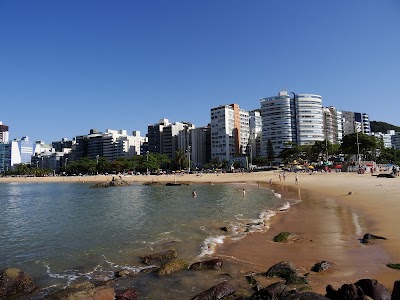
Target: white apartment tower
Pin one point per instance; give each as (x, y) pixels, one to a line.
(333, 125)
(4, 134)
(286, 119)
(255, 123)
(355, 120)
(229, 132)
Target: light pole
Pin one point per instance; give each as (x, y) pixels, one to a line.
(97, 164)
(189, 147)
(65, 166)
(147, 162)
(358, 144)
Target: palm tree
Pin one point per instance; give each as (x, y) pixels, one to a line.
(180, 158)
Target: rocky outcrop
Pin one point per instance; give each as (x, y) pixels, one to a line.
(271, 292)
(114, 182)
(304, 296)
(159, 256)
(373, 289)
(14, 281)
(214, 264)
(282, 237)
(218, 291)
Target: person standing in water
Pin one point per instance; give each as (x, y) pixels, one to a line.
(194, 194)
(244, 192)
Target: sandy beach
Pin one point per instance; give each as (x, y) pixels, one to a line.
(335, 211)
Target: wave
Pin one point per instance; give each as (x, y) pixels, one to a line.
(210, 244)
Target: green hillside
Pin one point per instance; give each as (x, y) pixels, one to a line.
(377, 126)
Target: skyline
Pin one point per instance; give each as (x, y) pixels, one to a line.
(68, 67)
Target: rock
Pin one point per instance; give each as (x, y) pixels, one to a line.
(296, 279)
(282, 237)
(214, 264)
(394, 266)
(87, 291)
(14, 281)
(172, 266)
(345, 292)
(321, 266)
(368, 237)
(305, 296)
(218, 291)
(159, 256)
(374, 289)
(124, 273)
(396, 290)
(112, 183)
(128, 294)
(283, 269)
(270, 292)
(364, 297)
(251, 280)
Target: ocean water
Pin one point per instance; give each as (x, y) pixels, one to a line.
(65, 233)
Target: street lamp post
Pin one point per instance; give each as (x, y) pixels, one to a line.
(358, 145)
(65, 166)
(189, 147)
(97, 164)
(147, 162)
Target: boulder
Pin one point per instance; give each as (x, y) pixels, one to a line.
(112, 183)
(128, 294)
(373, 289)
(218, 291)
(396, 290)
(124, 273)
(321, 266)
(159, 256)
(214, 264)
(304, 296)
(282, 237)
(271, 292)
(368, 237)
(172, 266)
(14, 281)
(283, 269)
(345, 292)
(87, 291)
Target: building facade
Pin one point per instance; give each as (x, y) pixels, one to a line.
(286, 120)
(333, 125)
(200, 146)
(155, 137)
(230, 132)
(4, 133)
(255, 124)
(353, 121)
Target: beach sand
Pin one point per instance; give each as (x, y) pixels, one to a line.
(327, 223)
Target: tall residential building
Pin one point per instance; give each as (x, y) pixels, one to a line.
(255, 124)
(333, 125)
(154, 135)
(355, 120)
(286, 119)
(230, 132)
(4, 134)
(5, 157)
(176, 137)
(396, 141)
(200, 146)
(385, 137)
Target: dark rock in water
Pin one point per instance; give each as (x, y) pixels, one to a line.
(283, 269)
(218, 291)
(396, 290)
(172, 266)
(251, 280)
(373, 289)
(394, 266)
(270, 292)
(124, 273)
(87, 291)
(296, 279)
(173, 184)
(224, 229)
(112, 183)
(214, 264)
(321, 266)
(159, 256)
(14, 281)
(368, 237)
(305, 296)
(128, 294)
(345, 292)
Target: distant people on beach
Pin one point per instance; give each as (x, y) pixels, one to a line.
(280, 177)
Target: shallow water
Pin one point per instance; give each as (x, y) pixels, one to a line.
(62, 233)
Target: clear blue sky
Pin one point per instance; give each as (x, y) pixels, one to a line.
(69, 66)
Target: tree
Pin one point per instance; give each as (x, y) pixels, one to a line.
(180, 158)
(366, 145)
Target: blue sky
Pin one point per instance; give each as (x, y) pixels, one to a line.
(69, 66)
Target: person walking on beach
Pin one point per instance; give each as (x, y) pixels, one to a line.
(280, 178)
(284, 176)
(296, 179)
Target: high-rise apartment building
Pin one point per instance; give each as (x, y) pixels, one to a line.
(333, 125)
(230, 132)
(4, 134)
(176, 137)
(155, 137)
(255, 124)
(200, 146)
(353, 121)
(286, 120)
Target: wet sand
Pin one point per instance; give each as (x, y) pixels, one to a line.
(327, 224)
